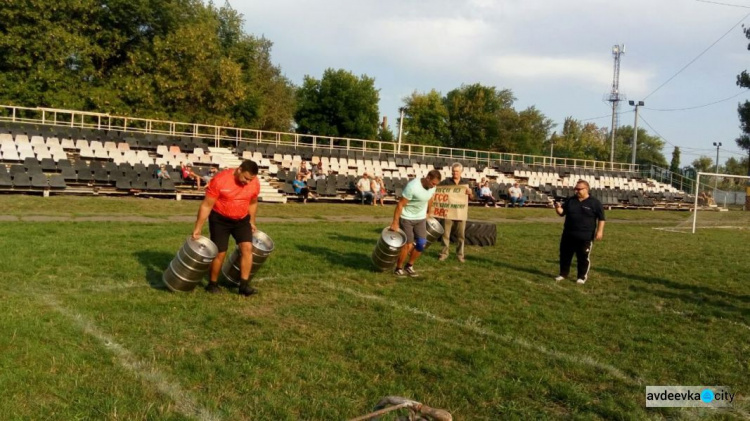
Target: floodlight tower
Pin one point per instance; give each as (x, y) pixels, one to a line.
(615, 97)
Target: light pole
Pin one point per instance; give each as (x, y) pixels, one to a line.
(635, 129)
(400, 129)
(716, 182)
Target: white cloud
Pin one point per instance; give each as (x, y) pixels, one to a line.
(593, 72)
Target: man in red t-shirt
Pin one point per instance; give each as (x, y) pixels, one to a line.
(230, 206)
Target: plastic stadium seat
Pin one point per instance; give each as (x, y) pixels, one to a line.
(139, 184)
(21, 180)
(57, 181)
(122, 184)
(39, 181)
(167, 185)
(5, 181)
(153, 184)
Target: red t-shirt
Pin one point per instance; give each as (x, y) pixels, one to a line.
(232, 198)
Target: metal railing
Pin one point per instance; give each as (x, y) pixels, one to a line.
(224, 135)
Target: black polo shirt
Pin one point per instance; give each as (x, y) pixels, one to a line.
(581, 217)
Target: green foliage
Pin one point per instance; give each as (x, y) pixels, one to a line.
(743, 109)
(580, 141)
(703, 164)
(674, 165)
(480, 117)
(176, 59)
(648, 151)
(340, 104)
(426, 119)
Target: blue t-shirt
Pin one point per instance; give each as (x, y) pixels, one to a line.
(298, 186)
(418, 197)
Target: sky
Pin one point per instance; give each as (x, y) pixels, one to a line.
(554, 55)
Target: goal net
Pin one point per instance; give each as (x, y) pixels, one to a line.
(720, 202)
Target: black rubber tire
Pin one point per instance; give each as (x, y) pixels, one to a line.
(477, 233)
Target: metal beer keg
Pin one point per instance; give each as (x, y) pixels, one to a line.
(435, 231)
(386, 252)
(191, 264)
(262, 248)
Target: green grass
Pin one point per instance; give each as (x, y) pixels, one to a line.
(88, 334)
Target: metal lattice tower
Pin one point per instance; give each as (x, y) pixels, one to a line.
(615, 96)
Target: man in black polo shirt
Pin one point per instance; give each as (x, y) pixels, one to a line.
(584, 223)
(455, 180)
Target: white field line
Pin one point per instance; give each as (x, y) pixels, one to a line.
(185, 403)
(472, 326)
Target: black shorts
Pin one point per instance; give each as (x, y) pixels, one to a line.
(221, 227)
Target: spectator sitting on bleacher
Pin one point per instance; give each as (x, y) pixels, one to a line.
(485, 195)
(304, 170)
(211, 173)
(319, 171)
(378, 190)
(300, 187)
(188, 174)
(162, 172)
(516, 196)
(365, 189)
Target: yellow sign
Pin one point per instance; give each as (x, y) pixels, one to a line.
(451, 202)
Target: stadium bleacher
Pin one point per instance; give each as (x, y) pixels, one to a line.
(61, 159)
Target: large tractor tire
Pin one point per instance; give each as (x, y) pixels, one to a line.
(477, 233)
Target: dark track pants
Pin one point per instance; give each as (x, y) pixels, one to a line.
(581, 249)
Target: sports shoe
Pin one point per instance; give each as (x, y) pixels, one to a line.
(399, 272)
(213, 288)
(461, 259)
(246, 290)
(581, 281)
(559, 278)
(409, 269)
(442, 257)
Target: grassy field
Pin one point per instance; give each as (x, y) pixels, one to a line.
(90, 333)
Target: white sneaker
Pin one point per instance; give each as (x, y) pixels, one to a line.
(559, 278)
(581, 281)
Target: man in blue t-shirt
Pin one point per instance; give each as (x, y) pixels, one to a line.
(584, 223)
(411, 216)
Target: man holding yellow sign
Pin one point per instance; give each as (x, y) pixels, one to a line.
(451, 202)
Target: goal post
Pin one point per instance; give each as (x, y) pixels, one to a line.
(698, 188)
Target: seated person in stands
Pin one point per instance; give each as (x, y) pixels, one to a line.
(319, 171)
(485, 195)
(516, 196)
(211, 173)
(378, 190)
(364, 187)
(702, 199)
(300, 187)
(304, 170)
(188, 174)
(162, 172)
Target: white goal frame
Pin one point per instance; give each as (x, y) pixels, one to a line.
(698, 186)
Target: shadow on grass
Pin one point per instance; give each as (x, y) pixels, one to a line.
(350, 239)
(335, 258)
(155, 263)
(530, 269)
(716, 302)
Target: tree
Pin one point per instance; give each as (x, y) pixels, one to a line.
(674, 166)
(479, 117)
(703, 164)
(579, 141)
(532, 132)
(340, 105)
(425, 119)
(169, 59)
(648, 150)
(743, 109)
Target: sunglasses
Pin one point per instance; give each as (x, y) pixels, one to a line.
(579, 189)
